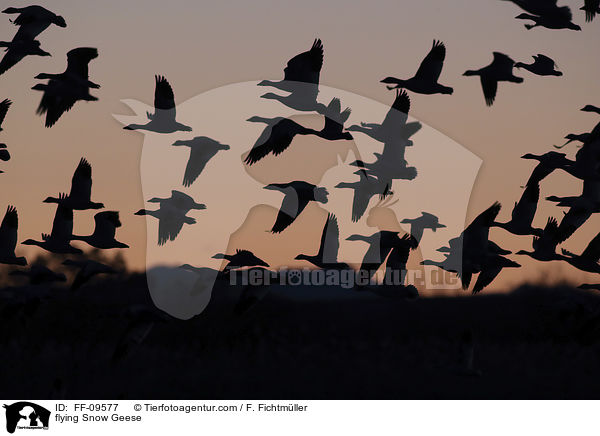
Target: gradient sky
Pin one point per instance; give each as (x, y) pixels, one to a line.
(199, 48)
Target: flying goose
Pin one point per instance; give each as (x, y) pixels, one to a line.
(40, 275)
(588, 260)
(297, 195)
(86, 270)
(425, 81)
(179, 200)
(104, 233)
(202, 149)
(419, 224)
(303, 100)
(8, 238)
(17, 50)
(165, 111)
(367, 187)
(33, 20)
(544, 246)
(305, 67)
(490, 269)
(240, 259)
(334, 122)
(59, 240)
(542, 66)
(79, 197)
(523, 213)
(64, 90)
(562, 18)
(394, 128)
(327, 256)
(591, 8)
(170, 221)
(280, 138)
(500, 70)
(4, 106)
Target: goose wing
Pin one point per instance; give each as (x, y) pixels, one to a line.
(398, 113)
(592, 251)
(306, 67)
(524, 210)
(164, 98)
(291, 207)
(330, 240)
(62, 226)
(431, 67)
(591, 9)
(486, 277)
(196, 163)
(400, 252)
(81, 183)
(8, 230)
(4, 105)
(170, 224)
(55, 101)
(544, 61)
(282, 134)
(490, 88)
(12, 57)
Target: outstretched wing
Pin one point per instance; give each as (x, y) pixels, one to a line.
(55, 102)
(8, 230)
(4, 105)
(398, 113)
(486, 277)
(282, 134)
(164, 98)
(526, 208)
(306, 67)
(195, 165)
(592, 252)
(10, 59)
(81, 183)
(330, 240)
(62, 226)
(291, 207)
(431, 67)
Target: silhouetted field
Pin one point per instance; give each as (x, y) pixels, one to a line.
(531, 343)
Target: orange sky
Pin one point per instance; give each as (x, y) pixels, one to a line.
(199, 48)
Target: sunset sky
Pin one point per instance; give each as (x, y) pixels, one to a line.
(200, 48)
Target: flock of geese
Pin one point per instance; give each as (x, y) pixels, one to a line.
(469, 254)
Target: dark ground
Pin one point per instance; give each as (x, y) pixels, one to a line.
(532, 344)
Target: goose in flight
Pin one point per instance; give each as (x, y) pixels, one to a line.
(419, 224)
(297, 195)
(523, 213)
(394, 128)
(240, 259)
(180, 201)
(591, 8)
(305, 68)
(202, 149)
(327, 256)
(500, 70)
(170, 221)
(33, 20)
(8, 238)
(40, 275)
(281, 136)
(562, 18)
(548, 162)
(165, 111)
(490, 269)
(425, 81)
(86, 270)
(542, 66)
(544, 246)
(366, 188)
(64, 90)
(104, 232)
(59, 240)
(17, 50)
(79, 197)
(334, 122)
(588, 260)
(4, 106)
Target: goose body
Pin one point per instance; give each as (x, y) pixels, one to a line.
(542, 66)
(17, 50)
(240, 259)
(104, 231)
(180, 201)
(588, 260)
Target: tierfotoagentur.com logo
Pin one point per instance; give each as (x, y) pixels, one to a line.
(25, 415)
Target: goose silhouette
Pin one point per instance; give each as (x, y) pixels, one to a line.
(547, 163)
(202, 149)
(591, 8)
(180, 201)
(240, 259)
(86, 270)
(79, 197)
(562, 18)
(59, 240)
(163, 120)
(170, 221)
(500, 70)
(33, 20)
(64, 90)
(297, 195)
(425, 81)
(17, 50)
(327, 256)
(542, 66)
(588, 260)
(104, 232)
(394, 128)
(523, 213)
(544, 246)
(364, 189)
(420, 224)
(8, 238)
